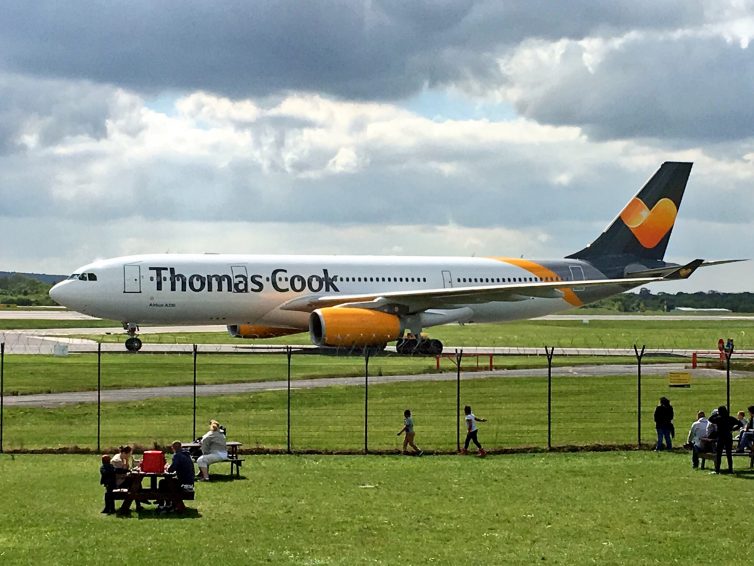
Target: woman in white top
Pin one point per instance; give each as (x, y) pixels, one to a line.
(122, 462)
(214, 449)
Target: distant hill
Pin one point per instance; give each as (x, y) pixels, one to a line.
(42, 277)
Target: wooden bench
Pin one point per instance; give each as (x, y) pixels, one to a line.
(146, 495)
(235, 464)
(233, 459)
(712, 455)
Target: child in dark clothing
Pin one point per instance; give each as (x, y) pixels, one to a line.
(107, 479)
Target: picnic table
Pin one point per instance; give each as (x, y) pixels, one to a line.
(233, 456)
(144, 494)
(712, 454)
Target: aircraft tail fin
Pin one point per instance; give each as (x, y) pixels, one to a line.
(641, 232)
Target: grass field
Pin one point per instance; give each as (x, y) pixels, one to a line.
(604, 508)
(620, 507)
(668, 334)
(24, 374)
(587, 411)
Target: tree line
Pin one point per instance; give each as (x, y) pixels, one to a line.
(646, 301)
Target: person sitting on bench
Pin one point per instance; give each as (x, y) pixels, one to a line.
(183, 481)
(746, 438)
(214, 449)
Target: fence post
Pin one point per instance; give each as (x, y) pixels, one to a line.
(639, 356)
(99, 394)
(366, 400)
(2, 390)
(459, 357)
(549, 353)
(193, 430)
(289, 353)
(728, 354)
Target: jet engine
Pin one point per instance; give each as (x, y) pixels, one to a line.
(352, 327)
(258, 331)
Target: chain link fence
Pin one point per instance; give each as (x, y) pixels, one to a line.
(297, 401)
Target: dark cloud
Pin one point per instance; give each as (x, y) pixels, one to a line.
(688, 88)
(43, 112)
(355, 49)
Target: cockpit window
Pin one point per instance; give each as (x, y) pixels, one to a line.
(82, 277)
(91, 276)
(74, 276)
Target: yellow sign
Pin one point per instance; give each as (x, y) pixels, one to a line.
(679, 379)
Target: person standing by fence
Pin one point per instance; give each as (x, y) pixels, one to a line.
(725, 427)
(697, 437)
(664, 424)
(408, 428)
(471, 431)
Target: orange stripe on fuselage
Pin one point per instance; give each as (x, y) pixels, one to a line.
(540, 271)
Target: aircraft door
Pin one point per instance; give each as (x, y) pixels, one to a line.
(447, 280)
(132, 278)
(238, 270)
(577, 274)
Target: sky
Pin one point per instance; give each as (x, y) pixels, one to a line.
(464, 128)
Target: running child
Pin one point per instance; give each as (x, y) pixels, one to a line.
(471, 431)
(408, 428)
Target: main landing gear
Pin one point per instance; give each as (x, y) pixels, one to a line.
(418, 345)
(133, 344)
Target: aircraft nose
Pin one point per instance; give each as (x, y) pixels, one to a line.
(59, 294)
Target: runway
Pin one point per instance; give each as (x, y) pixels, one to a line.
(59, 340)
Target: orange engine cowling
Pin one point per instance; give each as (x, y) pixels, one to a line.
(258, 331)
(349, 327)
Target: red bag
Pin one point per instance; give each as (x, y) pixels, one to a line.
(153, 462)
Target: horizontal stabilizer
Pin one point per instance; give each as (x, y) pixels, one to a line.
(673, 271)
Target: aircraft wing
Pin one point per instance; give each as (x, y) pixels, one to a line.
(419, 300)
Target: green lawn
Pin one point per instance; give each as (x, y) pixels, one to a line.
(604, 508)
(587, 411)
(31, 324)
(668, 334)
(25, 374)
(78, 372)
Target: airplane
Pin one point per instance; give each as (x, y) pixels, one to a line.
(358, 302)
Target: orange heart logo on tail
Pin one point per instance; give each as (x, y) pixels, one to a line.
(649, 226)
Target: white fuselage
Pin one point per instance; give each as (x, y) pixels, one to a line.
(250, 289)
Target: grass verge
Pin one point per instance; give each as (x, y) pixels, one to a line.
(586, 411)
(606, 508)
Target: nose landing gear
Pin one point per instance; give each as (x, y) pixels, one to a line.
(133, 343)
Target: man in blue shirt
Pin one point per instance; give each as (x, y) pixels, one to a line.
(183, 467)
